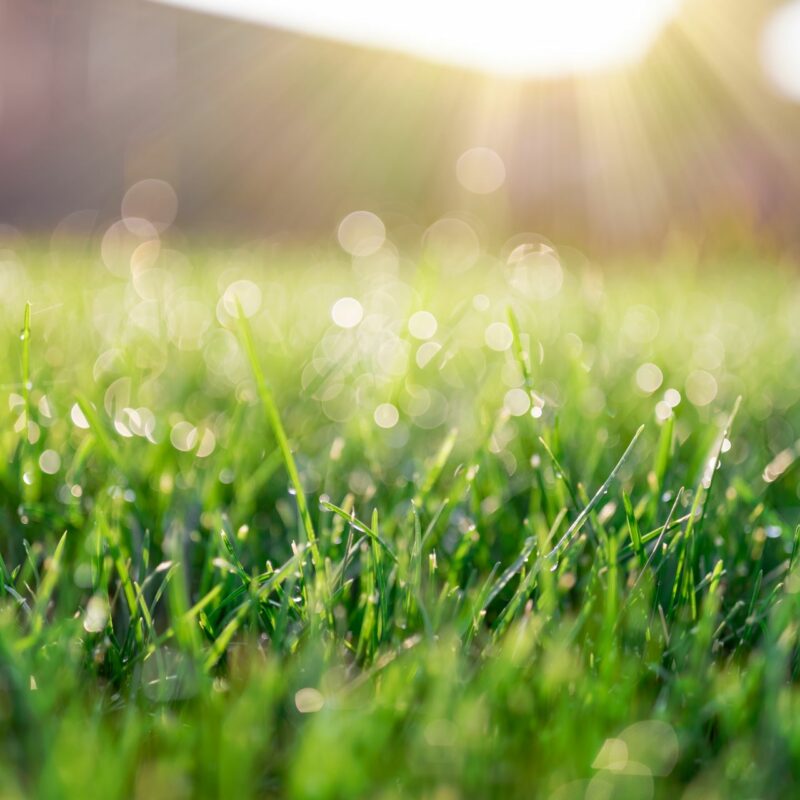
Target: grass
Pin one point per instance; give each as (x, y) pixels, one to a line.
(248, 552)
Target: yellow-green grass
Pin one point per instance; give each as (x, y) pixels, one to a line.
(248, 551)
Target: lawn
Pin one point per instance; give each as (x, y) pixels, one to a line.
(287, 525)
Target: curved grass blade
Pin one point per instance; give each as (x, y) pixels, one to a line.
(598, 495)
(276, 426)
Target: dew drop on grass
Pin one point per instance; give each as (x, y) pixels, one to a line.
(96, 616)
(34, 432)
(701, 387)
(517, 402)
(78, 417)
(309, 700)
(386, 415)
(663, 410)
(207, 444)
(45, 409)
(426, 352)
(422, 325)
(498, 336)
(649, 377)
(50, 462)
(183, 436)
(347, 312)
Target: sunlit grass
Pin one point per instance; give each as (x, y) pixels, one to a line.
(295, 526)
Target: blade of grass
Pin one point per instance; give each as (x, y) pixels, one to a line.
(598, 495)
(276, 426)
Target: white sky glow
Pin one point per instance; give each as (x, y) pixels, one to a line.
(780, 49)
(513, 37)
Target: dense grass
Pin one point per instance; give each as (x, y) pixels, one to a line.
(222, 577)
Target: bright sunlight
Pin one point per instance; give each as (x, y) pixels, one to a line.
(399, 400)
(507, 36)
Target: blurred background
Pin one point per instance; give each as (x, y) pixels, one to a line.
(269, 125)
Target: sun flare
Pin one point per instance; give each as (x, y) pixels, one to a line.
(508, 37)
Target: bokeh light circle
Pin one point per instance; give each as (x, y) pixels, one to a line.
(152, 199)
(361, 233)
(481, 170)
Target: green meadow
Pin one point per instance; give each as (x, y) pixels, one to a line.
(289, 525)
